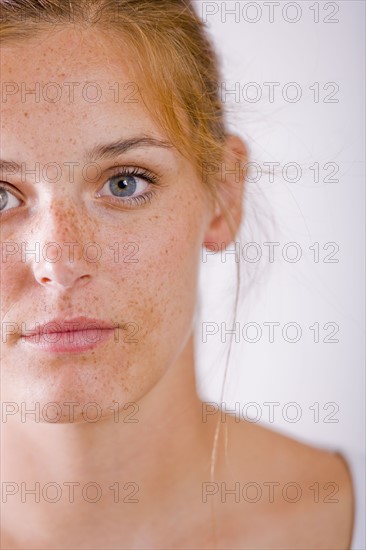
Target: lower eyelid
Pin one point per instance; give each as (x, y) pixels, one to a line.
(140, 199)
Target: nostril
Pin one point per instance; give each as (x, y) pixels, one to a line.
(65, 280)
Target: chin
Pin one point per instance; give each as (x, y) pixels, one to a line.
(72, 407)
(74, 394)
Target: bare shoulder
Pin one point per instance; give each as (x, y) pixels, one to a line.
(298, 495)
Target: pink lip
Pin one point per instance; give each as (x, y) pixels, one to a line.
(69, 335)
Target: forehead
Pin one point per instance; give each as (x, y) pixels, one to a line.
(69, 83)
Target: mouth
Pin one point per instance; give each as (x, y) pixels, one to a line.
(68, 335)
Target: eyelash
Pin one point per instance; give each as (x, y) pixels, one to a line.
(139, 200)
(142, 198)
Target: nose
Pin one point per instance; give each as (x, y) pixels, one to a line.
(60, 262)
(61, 272)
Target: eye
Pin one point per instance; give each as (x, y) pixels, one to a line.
(129, 186)
(7, 199)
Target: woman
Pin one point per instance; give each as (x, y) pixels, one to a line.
(110, 120)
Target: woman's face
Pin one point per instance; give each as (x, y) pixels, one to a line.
(72, 246)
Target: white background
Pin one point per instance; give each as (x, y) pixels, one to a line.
(305, 292)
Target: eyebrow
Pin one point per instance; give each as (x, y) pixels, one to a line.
(108, 150)
(9, 166)
(101, 151)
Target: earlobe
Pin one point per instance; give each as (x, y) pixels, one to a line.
(227, 216)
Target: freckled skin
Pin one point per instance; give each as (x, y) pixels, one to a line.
(168, 451)
(168, 234)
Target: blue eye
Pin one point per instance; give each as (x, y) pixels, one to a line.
(129, 186)
(7, 199)
(123, 186)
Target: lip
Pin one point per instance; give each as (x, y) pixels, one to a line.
(73, 335)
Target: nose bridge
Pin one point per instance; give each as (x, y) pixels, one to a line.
(63, 219)
(59, 190)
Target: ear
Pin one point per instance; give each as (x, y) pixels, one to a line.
(230, 193)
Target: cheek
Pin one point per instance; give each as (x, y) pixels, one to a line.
(157, 272)
(12, 282)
